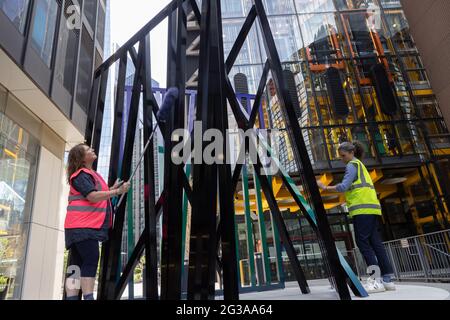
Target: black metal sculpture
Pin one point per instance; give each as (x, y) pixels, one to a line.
(214, 90)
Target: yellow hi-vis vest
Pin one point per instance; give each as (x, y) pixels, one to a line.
(361, 197)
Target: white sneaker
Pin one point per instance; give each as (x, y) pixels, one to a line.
(389, 286)
(374, 286)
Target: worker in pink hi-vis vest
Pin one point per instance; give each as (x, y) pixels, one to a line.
(88, 219)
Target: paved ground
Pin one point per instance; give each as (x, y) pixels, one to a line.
(320, 290)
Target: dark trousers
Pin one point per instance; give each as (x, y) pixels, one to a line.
(369, 242)
(85, 255)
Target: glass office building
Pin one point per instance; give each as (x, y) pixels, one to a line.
(355, 74)
(49, 50)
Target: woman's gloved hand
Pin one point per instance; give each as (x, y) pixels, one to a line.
(117, 184)
(124, 187)
(321, 185)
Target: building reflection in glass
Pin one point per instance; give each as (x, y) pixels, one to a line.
(358, 76)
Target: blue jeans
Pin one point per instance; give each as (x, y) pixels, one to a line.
(369, 242)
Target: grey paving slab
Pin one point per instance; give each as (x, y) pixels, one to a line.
(321, 290)
(324, 292)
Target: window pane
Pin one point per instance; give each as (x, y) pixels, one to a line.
(253, 74)
(314, 5)
(101, 26)
(321, 38)
(315, 145)
(17, 176)
(16, 11)
(398, 26)
(67, 53)
(286, 34)
(98, 59)
(390, 3)
(249, 53)
(85, 69)
(44, 24)
(279, 7)
(232, 8)
(355, 4)
(90, 11)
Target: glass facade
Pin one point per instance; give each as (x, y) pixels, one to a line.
(16, 11)
(65, 66)
(18, 162)
(90, 10)
(69, 47)
(101, 25)
(85, 69)
(44, 27)
(358, 76)
(60, 62)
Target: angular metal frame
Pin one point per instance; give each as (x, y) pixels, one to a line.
(209, 204)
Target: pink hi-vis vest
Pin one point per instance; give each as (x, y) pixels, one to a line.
(81, 213)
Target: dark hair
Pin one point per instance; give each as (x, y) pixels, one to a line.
(75, 160)
(356, 147)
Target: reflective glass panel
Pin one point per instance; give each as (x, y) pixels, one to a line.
(16, 11)
(44, 26)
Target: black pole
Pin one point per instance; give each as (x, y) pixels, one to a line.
(151, 262)
(226, 191)
(171, 263)
(113, 164)
(202, 255)
(112, 271)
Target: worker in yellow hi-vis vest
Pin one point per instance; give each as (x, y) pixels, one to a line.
(365, 210)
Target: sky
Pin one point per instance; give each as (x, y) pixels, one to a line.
(128, 17)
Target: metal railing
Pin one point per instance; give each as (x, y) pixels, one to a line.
(425, 257)
(420, 258)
